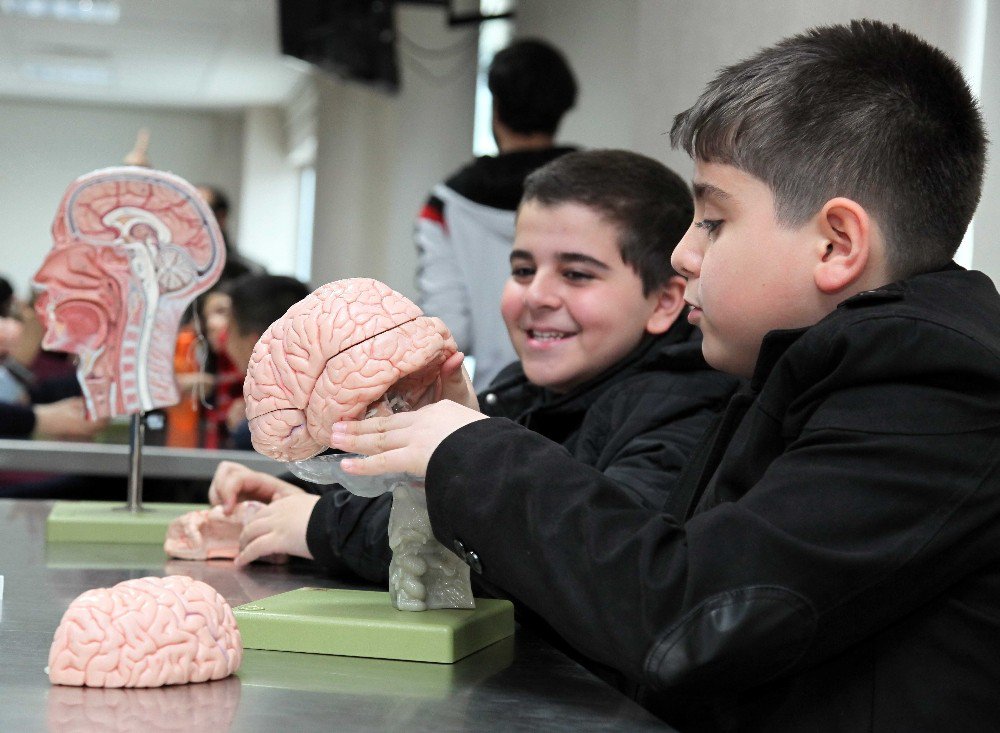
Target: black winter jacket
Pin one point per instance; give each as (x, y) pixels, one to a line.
(839, 568)
(637, 424)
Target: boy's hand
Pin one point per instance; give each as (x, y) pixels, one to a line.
(195, 383)
(237, 413)
(233, 483)
(66, 419)
(402, 442)
(10, 334)
(279, 528)
(453, 384)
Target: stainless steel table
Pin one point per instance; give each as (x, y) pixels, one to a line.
(107, 459)
(522, 684)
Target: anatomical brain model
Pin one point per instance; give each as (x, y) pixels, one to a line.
(146, 633)
(132, 247)
(351, 349)
(207, 534)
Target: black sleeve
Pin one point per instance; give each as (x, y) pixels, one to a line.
(16, 421)
(53, 390)
(642, 436)
(351, 533)
(827, 548)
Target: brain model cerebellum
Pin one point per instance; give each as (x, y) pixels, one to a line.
(132, 247)
(351, 349)
(146, 632)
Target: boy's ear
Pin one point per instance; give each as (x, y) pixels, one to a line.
(847, 238)
(669, 304)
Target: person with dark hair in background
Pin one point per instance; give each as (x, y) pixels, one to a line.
(256, 301)
(466, 227)
(50, 409)
(236, 264)
(204, 379)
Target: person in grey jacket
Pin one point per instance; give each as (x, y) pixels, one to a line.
(465, 228)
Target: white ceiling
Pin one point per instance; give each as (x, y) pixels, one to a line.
(179, 53)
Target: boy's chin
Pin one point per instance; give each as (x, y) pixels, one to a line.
(728, 361)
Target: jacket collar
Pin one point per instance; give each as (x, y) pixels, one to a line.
(678, 349)
(777, 342)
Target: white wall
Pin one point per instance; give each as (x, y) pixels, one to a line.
(599, 39)
(45, 146)
(640, 62)
(378, 155)
(268, 205)
(986, 255)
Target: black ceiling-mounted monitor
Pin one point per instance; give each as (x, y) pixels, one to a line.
(353, 39)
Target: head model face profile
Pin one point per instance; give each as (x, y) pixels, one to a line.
(132, 247)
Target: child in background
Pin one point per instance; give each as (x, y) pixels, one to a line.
(207, 378)
(838, 563)
(610, 373)
(255, 302)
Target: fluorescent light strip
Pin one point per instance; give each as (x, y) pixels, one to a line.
(103, 12)
(67, 73)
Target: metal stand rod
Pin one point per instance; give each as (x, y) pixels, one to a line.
(136, 438)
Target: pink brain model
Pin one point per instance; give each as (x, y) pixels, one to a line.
(209, 533)
(147, 632)
(132, 247)
(331, 356)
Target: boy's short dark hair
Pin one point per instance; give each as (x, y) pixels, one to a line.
(532, 86)
(867, 111)
(260, 300)
(649, 203)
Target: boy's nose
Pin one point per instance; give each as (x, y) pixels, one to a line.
(686, 259)
(541, 293)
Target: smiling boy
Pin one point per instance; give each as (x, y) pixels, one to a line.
(572, 306)
(610, 373)
(838, 564)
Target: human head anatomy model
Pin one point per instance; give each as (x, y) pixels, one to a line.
(132, 247)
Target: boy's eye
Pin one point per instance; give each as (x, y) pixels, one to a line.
(577, 275)
(711, 226)
(521, 272)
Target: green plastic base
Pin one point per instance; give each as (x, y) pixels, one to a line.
(361, 623)
(108, 521)
(363, 676)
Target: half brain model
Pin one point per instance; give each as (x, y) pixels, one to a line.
(146, 632)
(333, 355)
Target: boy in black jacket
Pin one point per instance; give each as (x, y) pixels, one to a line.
(610, 371)
(838, 565)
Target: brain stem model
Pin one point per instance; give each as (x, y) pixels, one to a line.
(132, 247)
(423, 573)
(351, 349)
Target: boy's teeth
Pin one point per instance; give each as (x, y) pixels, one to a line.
(547, 335)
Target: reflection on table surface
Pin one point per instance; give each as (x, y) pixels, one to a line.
(520, 683)
(111, 459)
